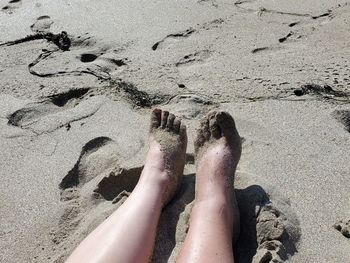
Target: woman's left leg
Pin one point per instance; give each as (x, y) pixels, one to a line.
(128, 235)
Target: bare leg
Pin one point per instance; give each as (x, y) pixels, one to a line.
(214, 221)
(128, 234)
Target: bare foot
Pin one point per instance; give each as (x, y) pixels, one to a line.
(218, 150)
(165, 159)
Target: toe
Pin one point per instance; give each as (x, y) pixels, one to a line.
(155, 119)
(226, 124)
(204, 128)
(164, 120)
(183, 133)
(177, 124)
(213, 125)
(199, 142)
(170, 123)
(203, 133)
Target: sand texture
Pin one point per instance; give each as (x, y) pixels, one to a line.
(79, 80)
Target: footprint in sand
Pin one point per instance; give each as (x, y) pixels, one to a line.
(56, 111)
(95, 186)
(186, 33)
(175, 36)
(102, 59)
(42, 24)
(189, 106)
(197, 57)
(11, 6)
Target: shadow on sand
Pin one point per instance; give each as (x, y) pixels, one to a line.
(249, 201)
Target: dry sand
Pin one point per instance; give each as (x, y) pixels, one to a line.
(73, 123)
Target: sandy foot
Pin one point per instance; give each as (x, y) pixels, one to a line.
(167, 150)
(218, 150)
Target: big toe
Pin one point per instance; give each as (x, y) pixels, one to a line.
(203, 133)
(214, 128)
(155, 119)
(226, 124)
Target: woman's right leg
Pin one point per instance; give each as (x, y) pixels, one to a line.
(214, 222)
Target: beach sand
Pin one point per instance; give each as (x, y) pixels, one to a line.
(75, 106)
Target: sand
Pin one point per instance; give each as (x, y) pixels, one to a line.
(73, 123)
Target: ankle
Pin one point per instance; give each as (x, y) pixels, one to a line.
(154, 175)
(214, 207)
(213, 201)
(154, 169)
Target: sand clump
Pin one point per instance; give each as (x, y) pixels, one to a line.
(343, 226)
